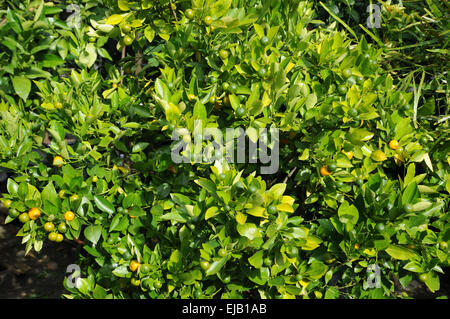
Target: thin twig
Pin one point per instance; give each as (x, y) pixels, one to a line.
(173, 11)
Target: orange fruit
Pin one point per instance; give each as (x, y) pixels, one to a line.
(134, 265)
(34, 213)
(324, 171)
(393, 144)
(348, 154)
(114, 85)
(191, 97)
(58, 161)
(356, 246)
(69, 215)
(94, 179)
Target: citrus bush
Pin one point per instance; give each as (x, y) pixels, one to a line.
(359, 202)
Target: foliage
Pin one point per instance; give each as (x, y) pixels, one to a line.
(107, 94)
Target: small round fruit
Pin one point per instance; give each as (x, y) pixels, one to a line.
(62, 193)
(126, 28)
(233, 87)
(69, 215)
(226, 280)
(7, 203)
(409, 208)
(348, 154)
(127, 40)
(191, 97)
(222, 252)
(157, 284)
(134, 265)
(208, 20)
(265, 40)
(423, 140)
(443, 245)
(59, 105)
(393, 144)
(272, 209)
(58, 161)
(324, 171)
(379, 227)
(356, 246)
(267, 262)
(49, 227)
(34, 213)
(240, 111)
(197, 293)
(359, 181)
(212, 99)
(52, 236)
(74, 198)
(224, 54)
(114, 85)
(262, 72)
(197, 285)
(204, 264)
(332, 167)
(62, 228)
(145, 268)
(253, 189)
(298, 277)
(225, 86)
(292, 251)
(342, 89)
(59, 238)
(94, 179)
(423, 277)
(24, 218)
(13, 213)
(347, 73)
(92, 39)
(189, 13)
(135, 282)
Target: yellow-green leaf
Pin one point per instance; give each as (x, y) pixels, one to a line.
(257, 211)
(241, 218)
(211, 212)
(379, 156)
(401, 253)
(285, 208)
(114, 19)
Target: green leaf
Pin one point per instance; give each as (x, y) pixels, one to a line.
(348, 213)
(93, 233)
(257, 259)
(378, 156)
(114, 19)
(410, 193)
(104, 205)
(49, 194)
(149, 33)
(249, 230)
(400, 253)
(12, 186)
(200, 111)
(216, 266)
(211, 212)
(432, 281)
(22, 86)
(276, 191)
(138, 147)
(260, 276)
